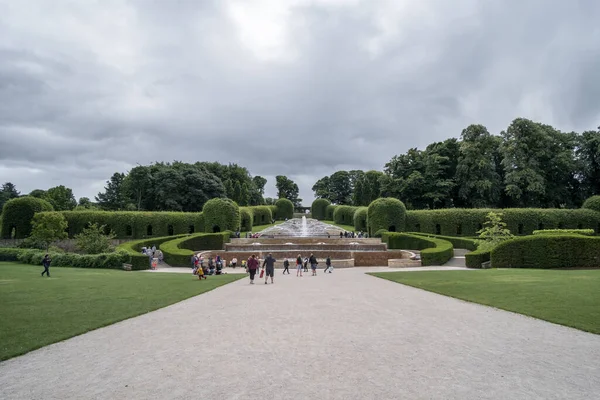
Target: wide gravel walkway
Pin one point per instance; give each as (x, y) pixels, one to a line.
(342, 336)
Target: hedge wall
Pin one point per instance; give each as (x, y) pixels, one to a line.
(548, 251)
(261, 215)
(221, 215)
(520, 221)
(178, 252)
(474, 259)
(246, 218)
(318, 209)
(344, 215)
(10, 254)
(585, 232)
(433, 251)
(386, 213)
(284, 209)
(18, 214)
(329, 210)
(133, 248)
(360, 219)
(106, 260)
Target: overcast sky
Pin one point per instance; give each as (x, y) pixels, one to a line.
(295, 87)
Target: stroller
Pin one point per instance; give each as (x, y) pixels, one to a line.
(219, 269)
(329, 269)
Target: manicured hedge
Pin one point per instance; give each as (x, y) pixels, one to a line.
(106, 260)
(585, 232)
(318, 209)
(386, 213)
(548, 251)
(344, 215)
(475, 258)
(10, 254)
(261, 215)
(221, 215)
(433, 251)
(593, 203)
(520, 221)
(246, 218)
(284, 209)
(360, 219)
(133, 248)
(178, 252)
(18, 214)
(329, 210)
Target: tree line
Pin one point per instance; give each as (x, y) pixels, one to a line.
(529, 164)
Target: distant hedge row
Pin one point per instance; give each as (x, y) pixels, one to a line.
(133, 248)
(106, 261)
(548, 251)
(329, 210)
(360, 219)
(344, 215)
(434, 251)
(178, 252)
(319, 208)
(17, 215)
(585, 232)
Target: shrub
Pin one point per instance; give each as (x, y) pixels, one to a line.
(178, 252)
(273, 209)
(48, 228)
(93, 240)
(221, 215)
(360, 219)
(113, 260)
(133, 249)
(585, 232)
(344, 215)
(380, 233)
(386, 213)
(434, 251)
(246, 218)
(261, 215)
(284, 209)
(18, 213)
(593, 203)
(477, 257)
(329, 210)
(10, 254)
(318, 209)
(548, 251)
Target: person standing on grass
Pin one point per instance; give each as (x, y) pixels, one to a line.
(313, 264)
(46, 263)
(299, 265)
(252, 267)
(270, 267)
(286, 266)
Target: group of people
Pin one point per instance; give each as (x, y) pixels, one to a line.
(152, 253)
(269, 266)
(352, 235)
(214, 267)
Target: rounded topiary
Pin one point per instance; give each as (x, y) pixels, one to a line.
(285, 209)
(246, 217)
(318, 208)
(329, 210)
(261, 215)
(17, 215)
(386, 213)
(344, 215)
(360, 219)
(221, 215)
(593, 203)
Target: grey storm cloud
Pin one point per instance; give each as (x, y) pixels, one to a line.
(295, 87)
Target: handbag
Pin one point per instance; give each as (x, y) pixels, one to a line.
(262, 273)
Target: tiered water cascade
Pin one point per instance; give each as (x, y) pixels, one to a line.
(308, 236)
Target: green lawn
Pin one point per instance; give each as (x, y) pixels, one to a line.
(569, 298)
(258, 228)
(36, 311)
(348, 228)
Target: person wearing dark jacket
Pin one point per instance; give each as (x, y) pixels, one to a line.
(313, 264)
(252, 267)
(286, 266)
(270, 267)
(46, 263)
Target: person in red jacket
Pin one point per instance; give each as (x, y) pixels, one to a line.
(252, 267)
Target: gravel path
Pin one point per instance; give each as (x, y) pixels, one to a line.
(345, 335)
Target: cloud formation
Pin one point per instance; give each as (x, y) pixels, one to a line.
(295, 87)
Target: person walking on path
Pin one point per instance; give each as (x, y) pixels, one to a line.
(252, 267)
(46, 263)
(286, 266)
(299, 265)
(270, 267)
(305, 264)
(313, 264)
(328, 265)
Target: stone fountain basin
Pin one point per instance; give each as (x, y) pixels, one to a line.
(304, 247)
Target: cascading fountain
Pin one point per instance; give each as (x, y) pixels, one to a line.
(304, 227)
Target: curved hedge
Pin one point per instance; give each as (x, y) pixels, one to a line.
(548, 251)
(178, 252)
(477, 257)
(474, 259)
(284, 209)
(585, 232)
(344, 215)
(433, 251)
(133, 249)
(360, 219)
(386, 213)
(113, 260)
(221, 215)
(329, 210)
(246, 218)
(593, 203)
(261, 215)
(318, 209)
(520, 221)
(18, 213)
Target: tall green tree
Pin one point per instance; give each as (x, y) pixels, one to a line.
(340, 188)
(137, 184)
(287, 189)
(8, 191)
(38, 193)
(321, 188)
(61, 198)
(114, 196)
(237, 192)
(588, 156)
(244, 195)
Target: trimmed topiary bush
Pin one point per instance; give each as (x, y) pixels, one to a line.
(284, 209)
(593, 203)
(585, 232)
(261, 215)
(17, 215)
(318, 209)
(548, 251)
(434, 251)
(329, 210)
(246, 218)
(477, 257)
(386, 213)
(344, 215)
(360, 219)
(221, 215)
